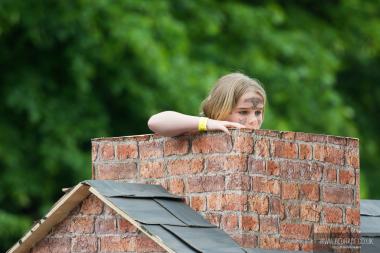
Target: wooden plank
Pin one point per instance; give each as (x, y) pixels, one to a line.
(131, 220)
(58, 212)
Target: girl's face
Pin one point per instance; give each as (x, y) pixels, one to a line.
(248, 110)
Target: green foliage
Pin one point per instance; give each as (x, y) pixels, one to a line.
(74, 70)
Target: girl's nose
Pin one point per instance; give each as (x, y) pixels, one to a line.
(253, 122)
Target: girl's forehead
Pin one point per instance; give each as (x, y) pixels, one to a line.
(251, 99)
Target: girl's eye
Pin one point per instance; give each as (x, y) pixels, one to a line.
(243, 112)
(257, 113)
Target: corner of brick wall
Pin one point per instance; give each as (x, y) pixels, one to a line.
(267, 189)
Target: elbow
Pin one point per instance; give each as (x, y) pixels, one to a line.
(152, 123)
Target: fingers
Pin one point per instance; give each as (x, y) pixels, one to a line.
(234, 124)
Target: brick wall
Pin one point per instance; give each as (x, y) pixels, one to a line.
(267, 189)
(94, 227)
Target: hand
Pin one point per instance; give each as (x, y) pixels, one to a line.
(213, 125)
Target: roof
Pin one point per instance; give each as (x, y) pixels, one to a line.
(162, 216)
(370, 225)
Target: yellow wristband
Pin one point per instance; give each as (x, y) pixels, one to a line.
(202, 125)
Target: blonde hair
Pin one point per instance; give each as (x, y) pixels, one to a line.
(226, 93)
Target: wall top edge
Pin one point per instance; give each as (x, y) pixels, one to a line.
(286, 135)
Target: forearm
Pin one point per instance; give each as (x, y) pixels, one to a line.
(170, 123)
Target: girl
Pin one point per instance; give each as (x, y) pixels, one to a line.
(236, 101)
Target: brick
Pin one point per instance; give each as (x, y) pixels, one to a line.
(262, 148)
(125, 226)
(268, 242)
(330, 175)
(176, 146)
(273, 168)
(245, 240)
(205, 183)
(91, 205)
(313, 172)
(296, 231)
(214, 202)
(288, 135)
(150, 150)
(177, 186)
(94, 151)
(275, 205)
(145, 244)
(256, 166)
(234, 202)
(56, 245)
(268, 225)
(105, 225)
(85, 244)
(305, 151)
(212, 144)
(82, 224)
(116, 171)
(333, 214)
(292, 169)
(108, 211)
(337, 195)
(243, 144)
(117, 244)
(230, 163)
(258, 204)
(309, 191)
(289, 191)
(185, 166)
(329, 154)
(346, 177)
(198, 203)
(337, 140)
(262, 184)
(269, 133)
(229, 222)
(213, 218)
(352, 158)
(125, 151)
(311, 137)
(250, 223)
(106, 151)
(311, 212)
(289, 246)
(154, 169)
(238, 182)
(353, 216)
(292, 211)
(284, 149)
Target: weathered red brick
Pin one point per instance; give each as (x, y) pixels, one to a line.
(229, 222)
(250, 223)
(117, 243)
(332, 214)
(292, 211)
(284, 149)
(213, 218)
(154, 169)
(346, 177)
(292, 169)
(198, 203)
(330, 175)
(105, 225)
(273, 168)
(275, 205)
(352, 158)
(288, 135)
(256, 166)
(311, 212)
(290, 246)
(94, 151)
(214, 201)
(145, 244)
(258, 204)
(150, 150)
(91, 205)
(245, 240)
(309, 191)
(268, 225)
(230, 163)
(85, 244)
(185, 166)
(329, 154)
(338, 195)
(116, 170)
(124, 226)
(212, 144)
(56, 245)
(313, 172)
(269, 242)
(106, 151)
(263, 184)
(289, 191)
(234, 202)
(243, 144)
(296, 231)
(177, 186)
(262, 148)
(82, 224)
(205, 183)
(353, 216)
(126, 150)
(176, 146)
(238, 182)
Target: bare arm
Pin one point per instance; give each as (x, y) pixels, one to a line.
(170, 123)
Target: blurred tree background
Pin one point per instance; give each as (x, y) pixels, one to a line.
(74, 70)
